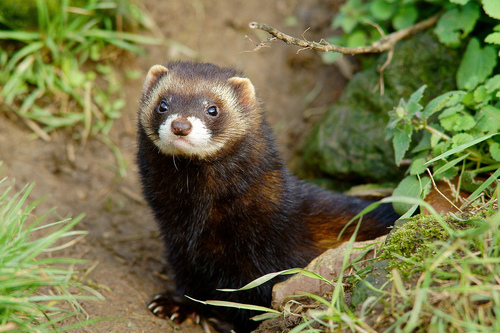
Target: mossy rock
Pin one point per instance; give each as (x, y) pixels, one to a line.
(378, 278)
(348, 143)
(412, 238)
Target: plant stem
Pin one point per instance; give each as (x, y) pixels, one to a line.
(432, 130)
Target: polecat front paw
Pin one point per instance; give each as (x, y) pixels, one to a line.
(165, 306)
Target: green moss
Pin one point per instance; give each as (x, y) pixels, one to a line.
(416, 239)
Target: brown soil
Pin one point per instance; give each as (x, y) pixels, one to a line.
(122, 236)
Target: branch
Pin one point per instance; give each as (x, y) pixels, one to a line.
(384, 44)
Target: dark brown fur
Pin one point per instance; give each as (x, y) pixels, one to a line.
(238, 214)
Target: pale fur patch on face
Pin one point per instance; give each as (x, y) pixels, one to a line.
(198, 143)
(201, 141)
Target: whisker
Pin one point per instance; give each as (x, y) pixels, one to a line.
(175, 165)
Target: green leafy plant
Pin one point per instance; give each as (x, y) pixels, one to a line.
(459, 139)
(35, 288)
(454, 135)
(60, 75)
(365, 22)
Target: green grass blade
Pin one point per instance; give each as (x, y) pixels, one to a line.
(43, 15)
(22, 36)
(450, 165)
(25, 278)
(29, 49)
(263, 279)
(235, 305)
(484, 185)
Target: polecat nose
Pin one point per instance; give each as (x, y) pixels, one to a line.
(181, 127)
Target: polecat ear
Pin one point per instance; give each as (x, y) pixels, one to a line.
(154, 74)
(244, 89)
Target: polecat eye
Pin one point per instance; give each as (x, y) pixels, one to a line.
(162, 107)
(212, 111)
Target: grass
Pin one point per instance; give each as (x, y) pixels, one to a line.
(454, 286)
(457, 288)
(60, 74)
(37, 292)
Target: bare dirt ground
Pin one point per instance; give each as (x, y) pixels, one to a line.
(122, 240)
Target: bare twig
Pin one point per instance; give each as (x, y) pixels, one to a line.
(258, 46)
(384, 44)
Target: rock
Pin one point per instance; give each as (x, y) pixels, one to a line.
(377, 278)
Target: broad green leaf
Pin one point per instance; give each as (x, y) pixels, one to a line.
(381, 9)
(461, 139)
(417, 95)
(487, 120)
(417, 166)
(468, 99)
(460, 2)
(401, 142)
(457, 23)
(476, 66)
(492, 8)
(451, 110)
(411, 187)
(493, 38)
(424, 144)
(405, 17)
(412, 108)
(345, 22)
(357, 38)
(439, 146)
(458, 122)
(492, 84)
(480, 94)
(438, 103)
(495, 151)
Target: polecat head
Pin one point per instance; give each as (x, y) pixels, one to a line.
(196, 109)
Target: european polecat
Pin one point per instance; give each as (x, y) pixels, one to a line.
(228, 209)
